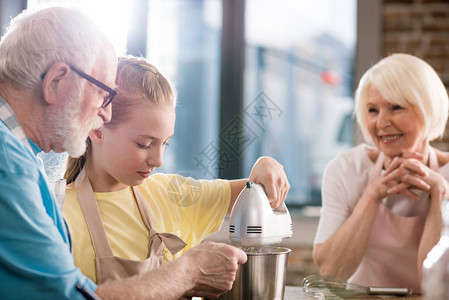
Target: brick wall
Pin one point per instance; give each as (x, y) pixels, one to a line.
(421, 28)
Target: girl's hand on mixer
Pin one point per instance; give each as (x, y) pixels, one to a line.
(270, 173)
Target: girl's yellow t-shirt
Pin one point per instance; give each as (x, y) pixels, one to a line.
(191, 209)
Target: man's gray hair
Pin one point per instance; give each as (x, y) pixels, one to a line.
(35, 40)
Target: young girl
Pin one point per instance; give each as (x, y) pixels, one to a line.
(117, 212)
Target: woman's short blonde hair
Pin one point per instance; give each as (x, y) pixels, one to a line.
(407, 81)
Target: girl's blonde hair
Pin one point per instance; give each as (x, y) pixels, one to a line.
(137, 81)
(407, 81)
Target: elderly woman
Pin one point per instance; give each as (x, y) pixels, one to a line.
(381, 205)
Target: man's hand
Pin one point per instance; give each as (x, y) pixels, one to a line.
(213, 267)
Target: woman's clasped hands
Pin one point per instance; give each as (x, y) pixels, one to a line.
(406, 174)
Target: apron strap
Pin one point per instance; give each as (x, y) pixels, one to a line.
(173, 243)
(92, 216)
(91, 213)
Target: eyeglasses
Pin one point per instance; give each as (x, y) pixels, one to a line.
(111, 93)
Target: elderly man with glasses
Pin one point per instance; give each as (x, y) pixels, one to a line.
(57, 79)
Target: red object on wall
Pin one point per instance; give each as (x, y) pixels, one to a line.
(331, 77)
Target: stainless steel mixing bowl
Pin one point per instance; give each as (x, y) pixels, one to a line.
(262, 277)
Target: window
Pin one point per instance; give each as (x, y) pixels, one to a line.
(112, 16)
(297, 104)
(298, 84)
(184, 42)
(298, 87)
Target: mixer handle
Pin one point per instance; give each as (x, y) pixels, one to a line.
(282, 209)
(279, 210)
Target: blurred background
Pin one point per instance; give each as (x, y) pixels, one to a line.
(254, 77)
(265, 77)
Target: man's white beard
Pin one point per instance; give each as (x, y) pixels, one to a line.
(67, 131)
(75, 142)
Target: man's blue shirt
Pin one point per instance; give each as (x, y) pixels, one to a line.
(35, 260)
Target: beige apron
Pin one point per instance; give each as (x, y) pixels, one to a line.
(109, 266)
(392, 251)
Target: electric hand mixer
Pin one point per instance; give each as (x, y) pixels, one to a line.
(254, 222)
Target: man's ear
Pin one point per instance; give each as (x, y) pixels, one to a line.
(96, 135)
(53, 81)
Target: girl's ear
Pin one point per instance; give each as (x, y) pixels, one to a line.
(96, 135)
